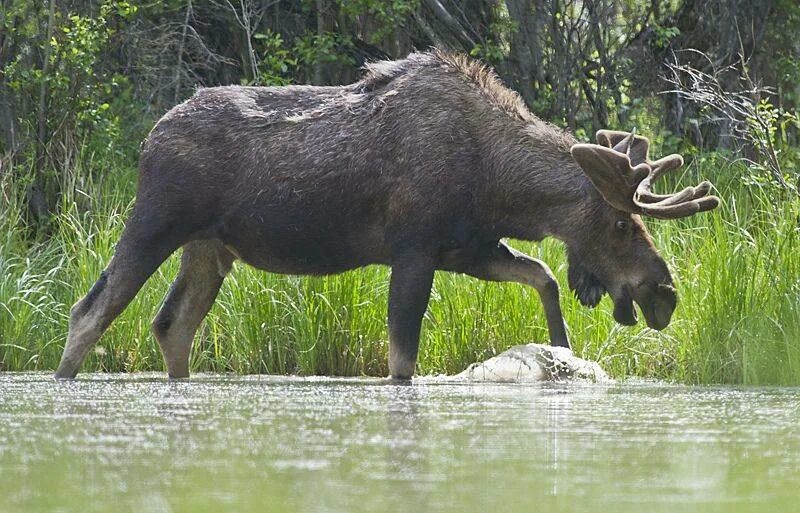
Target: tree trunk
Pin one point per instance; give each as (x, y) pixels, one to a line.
(319, 71)
(524, 45)
(37, 204)
(179, 64)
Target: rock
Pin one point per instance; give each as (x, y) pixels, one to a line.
(535, 363)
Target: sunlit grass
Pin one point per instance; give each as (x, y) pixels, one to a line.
(737, 272)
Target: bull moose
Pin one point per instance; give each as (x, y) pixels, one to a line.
(426, 163)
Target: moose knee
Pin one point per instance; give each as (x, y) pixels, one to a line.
(548, 286)
(544, 280)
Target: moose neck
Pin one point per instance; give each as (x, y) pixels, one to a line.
(538, 189)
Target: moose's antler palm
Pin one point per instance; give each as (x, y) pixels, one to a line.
(619, 167)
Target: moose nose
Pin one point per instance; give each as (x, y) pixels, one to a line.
(657, 302)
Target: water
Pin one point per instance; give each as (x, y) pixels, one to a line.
(137, 443)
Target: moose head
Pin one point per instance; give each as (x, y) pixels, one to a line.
(613, 251)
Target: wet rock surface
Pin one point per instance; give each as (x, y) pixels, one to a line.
(534, 363)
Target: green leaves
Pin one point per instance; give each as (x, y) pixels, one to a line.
(79, 92)
(664, 34)
(387, 14)
(276, 62)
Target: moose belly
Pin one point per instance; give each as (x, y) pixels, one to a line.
(303, 245)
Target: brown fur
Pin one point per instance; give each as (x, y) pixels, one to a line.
(424, 164)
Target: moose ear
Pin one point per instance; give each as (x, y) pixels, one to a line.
(637, 149)
(611, 173)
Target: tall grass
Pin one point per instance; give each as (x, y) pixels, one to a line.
(737, 270)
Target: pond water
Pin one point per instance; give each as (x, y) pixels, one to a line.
(138, 443)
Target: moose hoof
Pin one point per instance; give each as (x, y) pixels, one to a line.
(65, 374)
(402, 370)
(392, 380)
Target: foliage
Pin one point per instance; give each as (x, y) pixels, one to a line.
(770, 129)
(664, 35)
(328, 47)
(69, 101)
(496, 45)
(276, 60)
(78, 92)
(387, 15)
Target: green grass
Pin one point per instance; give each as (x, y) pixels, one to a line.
(737, 272)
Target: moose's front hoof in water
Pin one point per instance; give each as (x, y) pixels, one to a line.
(66, 370)
(178, 370)
(389, 380)
(65, 374)
(401, 367)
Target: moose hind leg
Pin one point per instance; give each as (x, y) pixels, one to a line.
(138, 254)
(204, 264)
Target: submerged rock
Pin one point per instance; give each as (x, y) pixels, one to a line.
(534, 363)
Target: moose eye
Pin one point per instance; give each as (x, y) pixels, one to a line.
(622, 225)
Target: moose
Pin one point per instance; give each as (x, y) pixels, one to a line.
(427, 163)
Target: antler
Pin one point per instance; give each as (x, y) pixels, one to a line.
(619, 167)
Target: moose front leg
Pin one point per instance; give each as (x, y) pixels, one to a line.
(409, 291)
(504, 263)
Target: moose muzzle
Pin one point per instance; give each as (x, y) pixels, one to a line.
(657, 302)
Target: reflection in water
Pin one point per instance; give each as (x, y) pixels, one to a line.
(558, 408)
(219, 443)
(404, 431)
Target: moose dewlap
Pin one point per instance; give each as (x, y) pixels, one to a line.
(425, 164)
